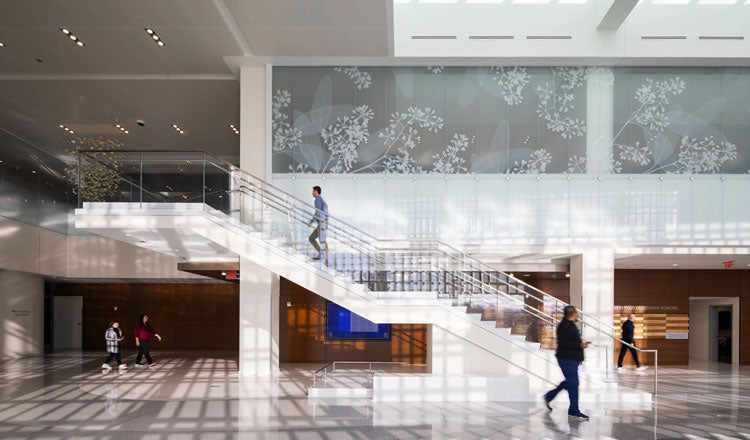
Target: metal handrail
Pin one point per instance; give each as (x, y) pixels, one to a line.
(324, 369)
(382, 244)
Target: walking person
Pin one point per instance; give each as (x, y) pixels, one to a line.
(143, 333)
(628, 330)
(320, 218)
(114, 338)
(569, 356)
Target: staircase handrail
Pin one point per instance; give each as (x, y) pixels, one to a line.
(380, 244)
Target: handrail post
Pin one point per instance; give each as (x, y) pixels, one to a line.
(140, 180)
(203, 189)
(80, 171)
(656, 372)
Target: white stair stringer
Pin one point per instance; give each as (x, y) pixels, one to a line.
(107, 218)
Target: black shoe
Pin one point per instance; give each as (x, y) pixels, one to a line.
(316, 258)
(546, 403)
(579, 416)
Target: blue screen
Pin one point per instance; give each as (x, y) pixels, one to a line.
(344, 324)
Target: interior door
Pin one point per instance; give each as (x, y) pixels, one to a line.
(713, 333)
(68, 322)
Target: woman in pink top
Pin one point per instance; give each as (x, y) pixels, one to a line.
(143, 333)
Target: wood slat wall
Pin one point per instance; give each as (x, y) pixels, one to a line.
(302, 334)
(674, 288)
(187, 316)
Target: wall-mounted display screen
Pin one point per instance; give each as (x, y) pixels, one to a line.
(344, 324)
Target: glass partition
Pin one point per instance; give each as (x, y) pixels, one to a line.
(33, 188)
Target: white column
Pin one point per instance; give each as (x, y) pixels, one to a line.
(259, 321)
(259, 287)
(592, 289)
(22, 314)
(599, 113)
(255, 132)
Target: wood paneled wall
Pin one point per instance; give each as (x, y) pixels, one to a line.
(187, 316)
(675, 288)
(302, 334)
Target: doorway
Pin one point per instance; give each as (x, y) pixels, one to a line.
(714, 330)
(720, 334)
(67, 323)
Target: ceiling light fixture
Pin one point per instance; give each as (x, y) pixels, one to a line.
(511, 275)
(72, 37)
(178, 129)
(567, 274)
(675, 264)
(2, 44)
(122, 129)
(234, 129)
(66, 128)
(159, 42)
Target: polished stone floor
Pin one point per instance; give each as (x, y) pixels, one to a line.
(187, 396)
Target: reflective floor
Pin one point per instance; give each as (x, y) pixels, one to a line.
(185, 396)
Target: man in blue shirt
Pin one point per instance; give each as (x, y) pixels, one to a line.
(320, 218)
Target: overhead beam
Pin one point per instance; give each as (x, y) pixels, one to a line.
(614, 12)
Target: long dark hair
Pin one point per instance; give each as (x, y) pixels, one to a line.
(141, 323)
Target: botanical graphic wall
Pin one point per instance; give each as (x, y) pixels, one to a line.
(516, 120)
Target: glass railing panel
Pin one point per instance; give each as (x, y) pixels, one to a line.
(172, 177)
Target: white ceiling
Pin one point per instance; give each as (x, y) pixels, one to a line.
(121, 76)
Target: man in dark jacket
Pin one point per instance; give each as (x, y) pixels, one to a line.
(628, 329)
(569, 356)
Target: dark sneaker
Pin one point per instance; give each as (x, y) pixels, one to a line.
(546, 402)
(316, 258)
(579, 416)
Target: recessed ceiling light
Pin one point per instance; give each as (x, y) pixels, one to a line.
(122, 129)
(178, 129)
(234, 129)
(66, 128)
(72, 37)
(159, 42)
(176, 250)
(675, 264)
(2, 44)
(128, 235)
(567, 275)
(223, 274)
(527, 274)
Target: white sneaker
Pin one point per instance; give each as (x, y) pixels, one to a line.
(620, 369)
(123, 367)
(151, 365)
(106, 367)
(137, 365)
(641, 368)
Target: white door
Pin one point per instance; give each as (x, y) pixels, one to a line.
(68, 322)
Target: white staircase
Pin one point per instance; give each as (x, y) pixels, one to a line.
(383, 281)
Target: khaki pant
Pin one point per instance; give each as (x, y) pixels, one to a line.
(319, 234)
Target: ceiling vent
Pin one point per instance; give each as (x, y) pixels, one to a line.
(719, 37)
(663, 37)
(491, 37)
(549, 37)
(433, 37)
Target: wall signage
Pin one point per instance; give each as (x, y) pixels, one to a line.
(677, 335)
(17, 312)
(646, 308)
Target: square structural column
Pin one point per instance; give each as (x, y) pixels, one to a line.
(592, 290)
(259, 321)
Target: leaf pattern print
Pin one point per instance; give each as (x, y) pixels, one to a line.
(344, 137)
(448, 161)
(284, 135)
(512, 81)
(362, 80)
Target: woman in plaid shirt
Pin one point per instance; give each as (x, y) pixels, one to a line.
(114, 338)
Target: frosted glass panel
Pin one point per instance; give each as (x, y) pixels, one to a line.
(515, 120)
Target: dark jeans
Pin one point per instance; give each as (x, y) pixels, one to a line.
(143, 351)
(117, 356)
(624, 349)
(570, 384)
